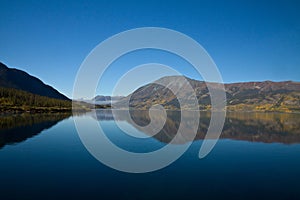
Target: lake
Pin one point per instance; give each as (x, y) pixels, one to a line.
(257, 157)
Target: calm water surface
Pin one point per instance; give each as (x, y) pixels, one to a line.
(258, 156)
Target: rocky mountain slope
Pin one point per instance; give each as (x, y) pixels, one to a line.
(245, 96)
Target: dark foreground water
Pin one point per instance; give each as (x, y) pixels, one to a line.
(257, 157)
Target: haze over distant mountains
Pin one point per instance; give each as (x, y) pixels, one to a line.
(18, 79)
(107, 98)
(102, 100)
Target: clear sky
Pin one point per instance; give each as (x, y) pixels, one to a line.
(248, 40)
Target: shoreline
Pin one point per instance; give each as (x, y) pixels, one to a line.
(33, 110)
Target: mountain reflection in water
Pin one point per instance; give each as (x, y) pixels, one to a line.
(18, 128)
(248, 126)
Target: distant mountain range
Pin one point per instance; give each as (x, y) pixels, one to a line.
(107, 98)
(247, 96)
(102, 100)
(17, 79)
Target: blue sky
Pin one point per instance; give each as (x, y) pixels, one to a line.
(248, 40)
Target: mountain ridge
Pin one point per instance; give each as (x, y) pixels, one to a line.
(21, 80)
(281, 96)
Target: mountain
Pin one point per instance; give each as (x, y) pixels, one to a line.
(17, 79)
(101, 98)
(248, 96)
